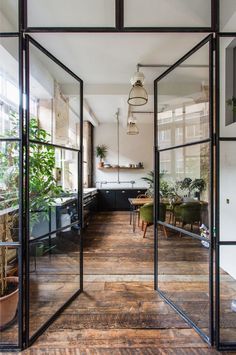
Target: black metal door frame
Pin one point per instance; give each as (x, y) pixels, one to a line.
(210, 140)
(26, 144)
(221, 345)
(24, 140)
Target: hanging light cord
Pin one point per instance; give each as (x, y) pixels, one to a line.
(118, 145)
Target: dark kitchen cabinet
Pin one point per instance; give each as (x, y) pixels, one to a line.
(122, 203)
(106, 200)
(117, 200)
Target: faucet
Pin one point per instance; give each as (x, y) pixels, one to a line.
(102, 183)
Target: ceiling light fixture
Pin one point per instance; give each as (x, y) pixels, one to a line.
(132, 128)
(138, 95)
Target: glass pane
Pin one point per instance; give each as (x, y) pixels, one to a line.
(9, 293)
(183, 102)
(227, 15)
(227, 191)
(228, 87)
(9, 189)
(9, 88)
(227, 293)
(183, 267)
(75, 13)
(167, 13)
(8, 15)
(54, 102)
(54, 274)
(53, 175)
(184, 188)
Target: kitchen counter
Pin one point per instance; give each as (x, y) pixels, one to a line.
(61, 201)
(123, 188)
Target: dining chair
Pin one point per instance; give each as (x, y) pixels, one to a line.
(138, 209)
(146, 215)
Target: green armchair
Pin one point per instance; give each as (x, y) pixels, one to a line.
(146, 216)
(188, 213)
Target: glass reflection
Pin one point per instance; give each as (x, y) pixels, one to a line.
(228, 88)
(227, 15)
(53, 188)
(184, 187)
(154, 13)
(54, 274)
(227, 294)
(55, 104)
(9, 190)
(79, 13)
(183, 102)
(9, 91)
(183, 267)
(9, 16)
(9, 291)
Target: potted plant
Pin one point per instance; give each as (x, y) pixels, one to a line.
(9, 177)
(187, 185)
(9, 290)
(165, 188)
(101, 153)
(43, 190)
(198, 185)
(150, 180)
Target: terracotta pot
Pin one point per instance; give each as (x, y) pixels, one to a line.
(8, 304)
(101, 164)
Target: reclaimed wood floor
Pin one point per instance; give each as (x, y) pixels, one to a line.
(119, 312)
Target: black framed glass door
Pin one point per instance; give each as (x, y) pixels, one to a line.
(225, 191)
(183, 97)
(11, 200)
(53, 188)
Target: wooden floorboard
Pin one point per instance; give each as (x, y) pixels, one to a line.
(119, 312)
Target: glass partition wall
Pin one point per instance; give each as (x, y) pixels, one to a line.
(184, 120)
(226, 201)
(40, 190)
(51, 140)
(54, 193)
(11, 174)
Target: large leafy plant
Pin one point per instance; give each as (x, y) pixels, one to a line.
(165, 188)
(43, 188)
(188, 185)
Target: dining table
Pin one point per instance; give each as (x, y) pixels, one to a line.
(135, 204)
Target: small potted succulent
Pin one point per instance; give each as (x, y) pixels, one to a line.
(101, 153)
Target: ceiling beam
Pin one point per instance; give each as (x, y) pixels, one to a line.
(89, 115)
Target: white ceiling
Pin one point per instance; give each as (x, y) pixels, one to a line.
(106, 61)
(111, 58)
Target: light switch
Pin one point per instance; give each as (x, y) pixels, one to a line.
(227, 201)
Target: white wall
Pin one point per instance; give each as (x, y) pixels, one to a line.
(133, 149)
(227, 173)
(227, 210)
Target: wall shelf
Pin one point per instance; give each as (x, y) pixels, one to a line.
(121, 168)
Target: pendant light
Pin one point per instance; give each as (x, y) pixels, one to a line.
(138, 95)
(132, 128)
